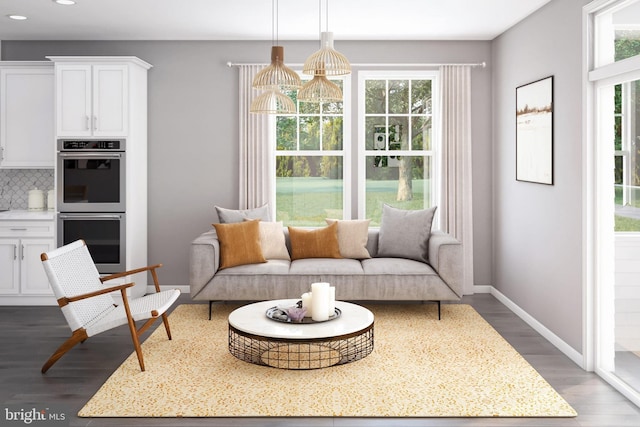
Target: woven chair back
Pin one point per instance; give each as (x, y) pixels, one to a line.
(71, 272)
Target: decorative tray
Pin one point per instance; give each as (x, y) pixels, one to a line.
(280, 315)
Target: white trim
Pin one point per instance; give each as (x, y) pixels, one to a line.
(565, 348)
(625, 389)
(588, 184)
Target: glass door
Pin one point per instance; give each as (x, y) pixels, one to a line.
(613, 196)
(626, 291)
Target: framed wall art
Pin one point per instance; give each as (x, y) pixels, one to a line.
(534, 132)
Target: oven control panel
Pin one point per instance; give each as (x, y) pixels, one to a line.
(91, 144)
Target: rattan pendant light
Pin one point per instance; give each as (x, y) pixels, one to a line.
(275, 78)
(334, 63)
(272, 102)
(320, 89)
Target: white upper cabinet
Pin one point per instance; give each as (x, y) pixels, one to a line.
(26, 115)
(92, 100)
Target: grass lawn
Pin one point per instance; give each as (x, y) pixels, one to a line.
(308, 201)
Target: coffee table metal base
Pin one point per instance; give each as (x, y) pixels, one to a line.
(301, 353)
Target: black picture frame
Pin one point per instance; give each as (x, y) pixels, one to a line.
(534, 132)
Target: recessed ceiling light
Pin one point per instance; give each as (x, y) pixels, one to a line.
(65, 2)
(17, 17)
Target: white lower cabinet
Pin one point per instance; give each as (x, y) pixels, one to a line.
(22, 277)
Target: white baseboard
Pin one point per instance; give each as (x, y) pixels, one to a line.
(565, 348)
(182, 288)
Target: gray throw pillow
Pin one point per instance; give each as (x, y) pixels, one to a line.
(227, 216)
(405, 233)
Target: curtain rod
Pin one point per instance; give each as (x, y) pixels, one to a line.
(482, 64)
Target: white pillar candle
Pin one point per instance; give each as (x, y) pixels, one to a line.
(320, 301)
(306, 303)
(332, 301)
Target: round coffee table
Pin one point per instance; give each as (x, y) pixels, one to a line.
(255, 338)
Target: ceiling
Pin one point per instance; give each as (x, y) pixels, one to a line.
(252, 19)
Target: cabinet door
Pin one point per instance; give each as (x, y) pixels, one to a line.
(110, 100)
(9, 270)
(33, 279)
(26, 117)
(73, 100)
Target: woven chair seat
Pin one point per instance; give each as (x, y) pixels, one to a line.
(141, 309)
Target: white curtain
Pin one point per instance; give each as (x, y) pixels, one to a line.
(456, 208)
(255, 153)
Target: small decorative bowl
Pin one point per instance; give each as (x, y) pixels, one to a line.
(296, 314)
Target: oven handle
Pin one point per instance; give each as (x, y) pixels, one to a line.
(91, 155)
(63, 216)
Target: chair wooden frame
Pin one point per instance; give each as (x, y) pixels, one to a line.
(80, 335)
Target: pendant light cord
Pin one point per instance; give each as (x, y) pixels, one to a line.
(326, 23)
(320, 22)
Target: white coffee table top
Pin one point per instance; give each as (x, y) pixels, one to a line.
(252, 319)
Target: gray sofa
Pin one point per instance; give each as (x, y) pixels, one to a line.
(390, 279)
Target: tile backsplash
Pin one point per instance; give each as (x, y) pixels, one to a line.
(16, 183)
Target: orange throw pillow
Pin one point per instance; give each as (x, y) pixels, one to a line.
(239, 243)
(320, 243)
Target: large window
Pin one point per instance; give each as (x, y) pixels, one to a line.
(395, 146)
(397, 161)
(312, 177)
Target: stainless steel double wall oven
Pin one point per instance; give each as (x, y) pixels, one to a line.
(91, 198)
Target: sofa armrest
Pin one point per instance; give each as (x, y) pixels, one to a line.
(204, 260)
(445, 257)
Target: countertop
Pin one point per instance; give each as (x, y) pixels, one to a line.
(15, 215)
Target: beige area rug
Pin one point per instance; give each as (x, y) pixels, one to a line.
(420, 367)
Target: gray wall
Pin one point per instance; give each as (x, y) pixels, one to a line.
(537, 257)
(193, 127)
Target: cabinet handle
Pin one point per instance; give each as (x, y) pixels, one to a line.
(22, 252)
(15, 252)
(87, 124)
(18, 229)
(95, 122)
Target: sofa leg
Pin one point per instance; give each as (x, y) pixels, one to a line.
(210, 305)
(438, 309)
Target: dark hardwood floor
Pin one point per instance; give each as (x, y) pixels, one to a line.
(30, 334)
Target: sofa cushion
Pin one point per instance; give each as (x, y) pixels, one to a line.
(325, 266)
(227, 216)
(274, 266)
(396, 267)
(405, 233)
(239, 243)
(352, 237)
(272, 240)
(314, 243)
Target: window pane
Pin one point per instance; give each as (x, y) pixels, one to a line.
(398, 133)
(286, 131)
(421, 133)
(398, 96)
(375, 137)
(309, 108)
(403, 182)
(334, 107)
(616, 34)
(421, 97)
(618, 176)
(310, 133)
(308, 189)
(375, 100)
(627, 157)
(332, 133)
(627, 44)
